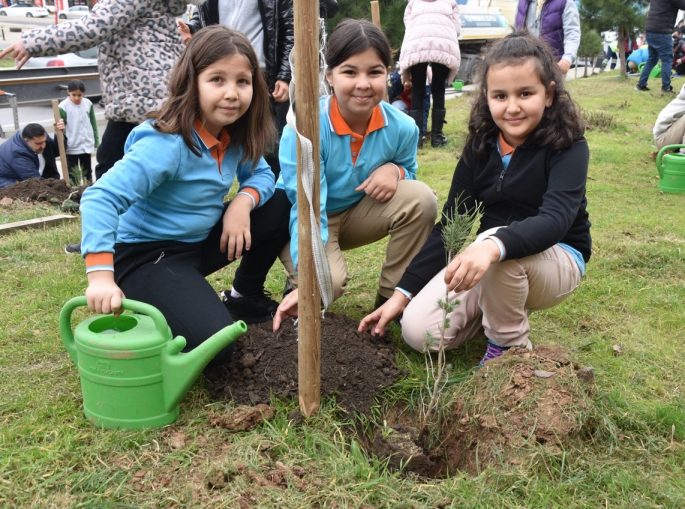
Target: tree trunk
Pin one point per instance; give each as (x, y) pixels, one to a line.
(622, 52)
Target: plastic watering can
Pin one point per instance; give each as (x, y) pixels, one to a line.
(671, 170)
(133, 373)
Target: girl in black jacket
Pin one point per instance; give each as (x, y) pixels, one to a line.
(525, 162)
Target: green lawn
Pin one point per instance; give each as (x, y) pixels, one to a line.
(632, 296)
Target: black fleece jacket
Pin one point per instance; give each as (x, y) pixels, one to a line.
(540, 199)
(662, 14)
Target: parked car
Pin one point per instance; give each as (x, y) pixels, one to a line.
(24, 11)
(75, 12)
(80, 58)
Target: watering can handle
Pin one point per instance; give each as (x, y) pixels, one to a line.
(660, 156)
(132, 305)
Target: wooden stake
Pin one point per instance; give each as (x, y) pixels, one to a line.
(60, 143)
(375, 13)
(306, 99)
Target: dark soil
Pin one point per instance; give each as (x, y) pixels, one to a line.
(354, 365)
(42, 190)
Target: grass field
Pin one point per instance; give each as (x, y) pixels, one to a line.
(632, 296)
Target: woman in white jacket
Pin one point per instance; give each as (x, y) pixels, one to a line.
(432, 29)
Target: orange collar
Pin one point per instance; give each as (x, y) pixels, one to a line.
(216, 147)
(377, 121)
(209, 140)
(504, 148)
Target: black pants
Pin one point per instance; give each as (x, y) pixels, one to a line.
(418, 85)
(111, 147)
(279, 111)
(74, 160)
(170, 275)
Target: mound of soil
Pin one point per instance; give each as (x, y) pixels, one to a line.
(501, 415)
(42, 190)
(512, 406)
(354, 365)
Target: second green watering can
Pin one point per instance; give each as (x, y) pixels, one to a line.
(671, 169)
(133, 373)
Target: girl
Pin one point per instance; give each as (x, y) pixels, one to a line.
(526, 162)
(82, 130)
(368, 166)
(431, 36)
(155, 225)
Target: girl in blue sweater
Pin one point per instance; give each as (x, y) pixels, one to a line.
(156, 224)
(526, 163)
(368, 166)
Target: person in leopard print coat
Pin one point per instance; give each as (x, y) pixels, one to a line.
(139, 45)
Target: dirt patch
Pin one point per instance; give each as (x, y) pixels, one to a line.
(512, 407)
(354, 365)
(42, 190)
(505, 414)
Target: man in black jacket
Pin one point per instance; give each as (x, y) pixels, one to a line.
(660, 21)
(268, 24)
(30, 153)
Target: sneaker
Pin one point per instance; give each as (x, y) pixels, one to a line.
(495, 351)
(641, 88)
(73, 248)
(668, 90)
(250, 308)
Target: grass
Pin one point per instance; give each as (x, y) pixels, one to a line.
(632, 295)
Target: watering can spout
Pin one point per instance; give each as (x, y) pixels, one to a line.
(181, 369)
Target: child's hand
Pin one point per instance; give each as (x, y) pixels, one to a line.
(469, 267)
(185, 31)
(375, 322)
(236, 231)
(103, 295)
(382, 183)
(60, 125)
(281, 91)
(287, 308)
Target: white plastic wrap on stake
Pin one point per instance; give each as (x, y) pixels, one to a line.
(321, 266)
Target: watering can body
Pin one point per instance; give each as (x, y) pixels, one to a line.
(132, 372)
(671, 169)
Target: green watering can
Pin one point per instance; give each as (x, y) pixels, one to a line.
(671, 170)
(133, 373)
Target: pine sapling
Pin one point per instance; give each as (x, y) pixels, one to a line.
(454, 233)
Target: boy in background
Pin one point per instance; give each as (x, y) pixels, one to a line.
(81, 130)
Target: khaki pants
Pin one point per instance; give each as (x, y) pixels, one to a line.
(498, 306)
(674, 135)
(408, 217)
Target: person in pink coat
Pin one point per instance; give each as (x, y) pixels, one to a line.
(432, 29)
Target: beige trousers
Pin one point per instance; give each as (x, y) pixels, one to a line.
(498, 306)
(674, 135)
(407, 217)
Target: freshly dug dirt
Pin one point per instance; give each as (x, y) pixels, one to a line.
(512, 407)
(502, 415)
(354, 365)
(42, 190)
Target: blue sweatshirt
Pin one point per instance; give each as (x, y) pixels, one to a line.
(347, 158)
(160, 190)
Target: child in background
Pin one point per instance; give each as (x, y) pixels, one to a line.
(368, 166)
(431, 37)
(526, 163)
(81, 132)
(156, 224)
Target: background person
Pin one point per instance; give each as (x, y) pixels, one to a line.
(431, 37)
(81, 130)
(557, 22)
(658, 31)
(669, 128)
(30, 153)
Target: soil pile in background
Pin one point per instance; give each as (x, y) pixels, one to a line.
(512, 406)
(354, 365)
(42, 190)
